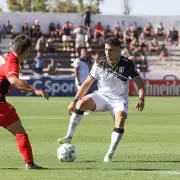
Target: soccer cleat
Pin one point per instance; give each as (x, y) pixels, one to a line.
(65, 140)
(108, 157)
(33, 166)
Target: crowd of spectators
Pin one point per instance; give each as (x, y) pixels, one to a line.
(135, 40)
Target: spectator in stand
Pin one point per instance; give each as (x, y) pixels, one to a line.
(36, 30)
(38, 64)
(153, 46)
(137, 54)
(108, 32)
(66, 38)
(8, 28)
(49, 45)
(87, 16)
(163, 51)
(52, 29)
(52, 67)
(134, 43)
(127, 38)
(173, 36)
(81, 38)
(125, 52)
(25, 29)
(160, 30)
(118, 31)
(41, 45)
(148, 30)
(134, 29)
(95, 56)
(99, 31)
(142, 40)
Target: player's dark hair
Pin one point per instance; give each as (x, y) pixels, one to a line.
(113, 41)
(21, 43)
(83, 48)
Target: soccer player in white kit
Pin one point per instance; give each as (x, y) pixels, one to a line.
(112, 73)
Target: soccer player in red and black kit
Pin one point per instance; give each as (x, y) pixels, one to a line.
(9, 75)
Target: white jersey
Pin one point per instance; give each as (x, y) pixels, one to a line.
(113, 81)
(83, 66)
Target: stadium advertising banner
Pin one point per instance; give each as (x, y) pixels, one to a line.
(53, 86)
(157, 88)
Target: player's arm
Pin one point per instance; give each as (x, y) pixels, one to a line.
(84, 88)
(76, 74)
(140, 85)
(21, 85)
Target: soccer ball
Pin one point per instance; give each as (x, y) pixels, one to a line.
(66, 153)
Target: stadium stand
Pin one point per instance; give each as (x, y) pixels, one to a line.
(139, 47)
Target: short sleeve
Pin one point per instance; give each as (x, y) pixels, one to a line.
(94, 71)
(76, 63)
(133, 73)
(12, 67)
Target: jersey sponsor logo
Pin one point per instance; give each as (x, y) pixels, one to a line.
(121, 69)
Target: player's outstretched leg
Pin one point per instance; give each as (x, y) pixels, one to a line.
(23, 144)
(116, 135)
(73, 123)
(85, 104)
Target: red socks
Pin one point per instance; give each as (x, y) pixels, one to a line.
(24, 147)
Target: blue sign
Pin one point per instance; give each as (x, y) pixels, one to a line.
(52, 86)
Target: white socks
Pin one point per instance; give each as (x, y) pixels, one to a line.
(115, 139)
(74, 121)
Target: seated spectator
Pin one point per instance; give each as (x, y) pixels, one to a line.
(134, 43)
(58, 31)
(134, 29)
(81, 38)
(8, 28)
(148, 30)
(25, 29)
(142, 40)
(52, 67)
(173, 36)
(99, 31)
(163, 51)
(118, 31)
(108, 32)
(66, 38)
(52, 29)
(160, 30)
(137, 54)
(153, 46)
(36, 30)
(125, 52)
(95, 56)
(38, 64)
(49, 45)
(127, 37)
(41, 45)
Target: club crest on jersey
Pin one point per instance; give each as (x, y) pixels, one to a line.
(121, 69)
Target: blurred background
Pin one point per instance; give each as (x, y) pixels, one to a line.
(148, 30)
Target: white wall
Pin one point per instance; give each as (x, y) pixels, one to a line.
(18, 19)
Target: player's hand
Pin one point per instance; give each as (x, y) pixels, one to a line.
(71, 107)
(41, 93)
(140, 105)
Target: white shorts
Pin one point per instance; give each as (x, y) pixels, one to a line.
(106, 104)
(66, 38)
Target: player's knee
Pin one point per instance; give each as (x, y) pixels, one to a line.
(84, 104)
(120, 121)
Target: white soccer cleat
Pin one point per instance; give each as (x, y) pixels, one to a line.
(65, 140)
(108, 157)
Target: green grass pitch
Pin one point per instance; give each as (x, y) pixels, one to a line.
(150, 148)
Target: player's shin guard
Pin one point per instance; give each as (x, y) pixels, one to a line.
(74, 121)
(115, 139)
(24, 147)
